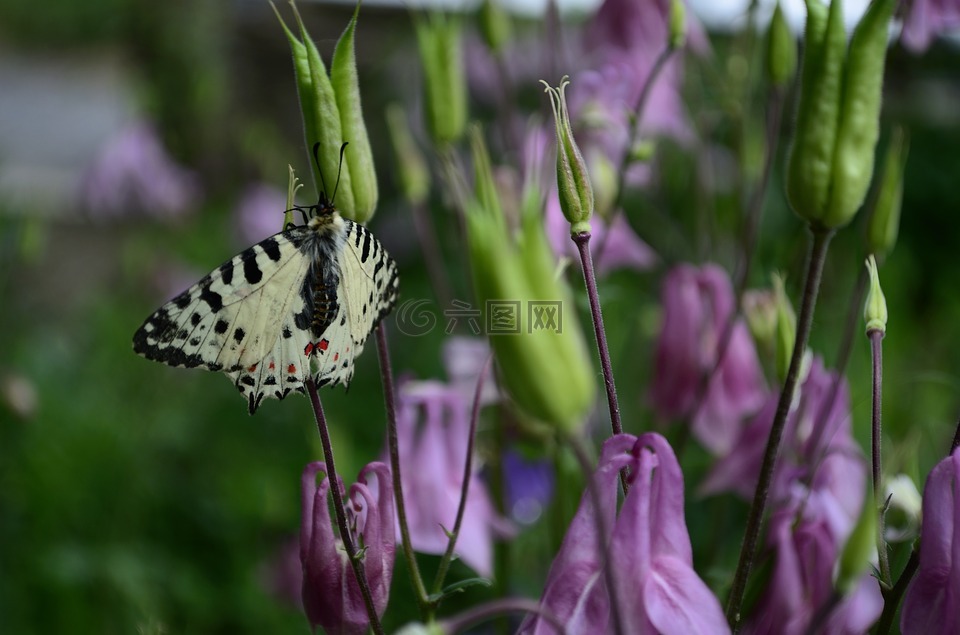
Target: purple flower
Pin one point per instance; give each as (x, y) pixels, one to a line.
(631, 26)
(433, 424)
(926, 19)
(697, 303)
(932, 602)
(259, 212)
(134, 173)
(331, 595)
(817, 450)
(806, 544)
(657, 589)
(464, 359)
(528, 486)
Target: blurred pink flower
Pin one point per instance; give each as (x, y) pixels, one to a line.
(926, 19)
(817, 450)
(433, 424)
(697, 303)
(259, 212)
(464, 359)
(614, 246)
(806, 545)
(134, 174)
(651, 556)
(331, 595)
(932, 601)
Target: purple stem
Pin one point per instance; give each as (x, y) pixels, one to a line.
(589, 277)
(876, 348)
(465, 488)
(386, 373)
(818, 252)
(461, 622)
(345, 536)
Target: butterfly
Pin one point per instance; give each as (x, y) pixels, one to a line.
(299, 305)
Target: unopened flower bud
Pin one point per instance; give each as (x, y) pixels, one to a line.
(781, 51)
(885, 221)
(573, 178)
(875, 308)
(678, 24)
(444, 79)
(786, 329)
(412, 169)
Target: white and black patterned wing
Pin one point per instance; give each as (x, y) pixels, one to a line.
(233, 318)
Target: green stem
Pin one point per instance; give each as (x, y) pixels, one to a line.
(386, 372)
(818, 252)
(338, 509)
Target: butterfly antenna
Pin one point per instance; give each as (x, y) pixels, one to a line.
(339, 171)
(316, 159)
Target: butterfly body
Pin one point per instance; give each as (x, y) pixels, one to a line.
(296, 306)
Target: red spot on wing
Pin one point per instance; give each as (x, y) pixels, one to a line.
(252, 368)
(336, 356)
(308, 349)
(323, 345)
(291, 369)
(272, 366)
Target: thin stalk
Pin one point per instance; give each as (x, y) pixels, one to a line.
(891, 600)
(956, 438)
(386, 372)
(876, 348)
(818, 251)
(341, 514)
(465, 488)
(603, 534)
(589, 277)
(495, 608)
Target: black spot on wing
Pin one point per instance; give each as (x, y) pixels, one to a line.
(272, 248)
(221, 326)
(365, 251)
(238, 335)
(250, 269)
(195, 319)
(213, 299)
(286, 333)
(226, 272)
(182, 301)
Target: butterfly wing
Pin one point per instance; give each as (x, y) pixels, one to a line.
(229, 320)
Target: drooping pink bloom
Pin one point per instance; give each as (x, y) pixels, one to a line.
(817, 449)
(134, 174)
(926, 19)
(331, 595)
(932, 602)
(433, 424)
(259, 212)
(650, 554)
(806, 543)
(697, 303)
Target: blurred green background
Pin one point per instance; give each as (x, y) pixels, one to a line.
(139, 498)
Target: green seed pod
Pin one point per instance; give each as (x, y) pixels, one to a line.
(786, 337)
(860, 114)
(445, 87)
(885, 221)
(411, 166)
(495, 24)
(781, 51)
(677, 24)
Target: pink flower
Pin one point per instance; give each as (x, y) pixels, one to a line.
(926, 19)
(697, 303)
(650, 554)
(133, 173)
(806, 544)
(817, 450)
(932, 602)
(331, 595)
(433, 423)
